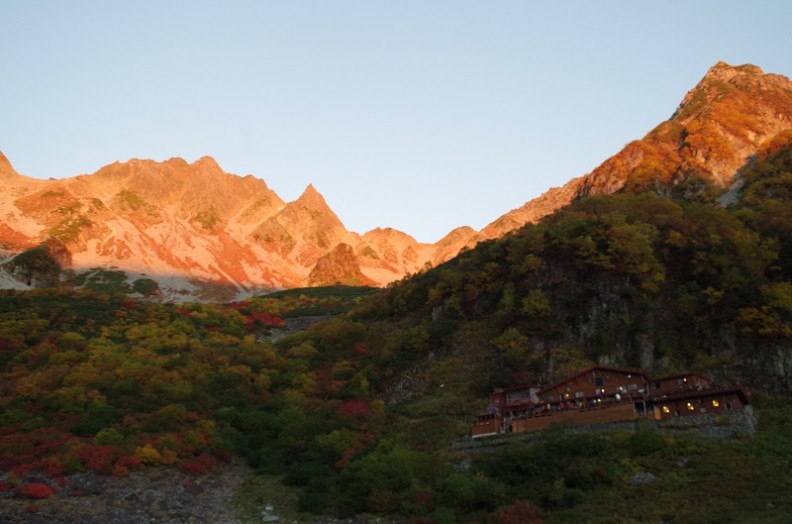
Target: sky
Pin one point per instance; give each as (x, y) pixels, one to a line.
(421, 115)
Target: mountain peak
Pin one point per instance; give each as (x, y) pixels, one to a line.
(717, 129)
(310, 197)
(310, 190)
(723, 69)
(207, 163)
(721, 74)
(743, 89)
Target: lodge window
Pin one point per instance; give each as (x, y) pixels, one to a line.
(728, 405)
(715, 403)
(600, 391)
(579, 394)
(666, 409)
(548, 398)
(632, 387)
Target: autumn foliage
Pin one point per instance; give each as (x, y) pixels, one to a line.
(36, 490)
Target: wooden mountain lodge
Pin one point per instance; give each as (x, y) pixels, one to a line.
(605, 394)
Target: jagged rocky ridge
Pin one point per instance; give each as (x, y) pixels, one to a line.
(200, 231)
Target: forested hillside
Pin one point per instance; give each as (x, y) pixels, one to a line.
(637, 280)
(358, 412)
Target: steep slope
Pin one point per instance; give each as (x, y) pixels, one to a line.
(5, 166)
(303, 230)
(640, 281)
(719, 126)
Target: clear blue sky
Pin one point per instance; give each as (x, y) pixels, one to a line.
(421, 115)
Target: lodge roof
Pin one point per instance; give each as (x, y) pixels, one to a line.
(521, 387)
(681, 375)
(594, 368)
(711, 392)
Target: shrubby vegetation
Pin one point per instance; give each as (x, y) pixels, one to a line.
(357, 413)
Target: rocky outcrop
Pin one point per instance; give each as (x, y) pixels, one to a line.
(339, 266)
(40, 266)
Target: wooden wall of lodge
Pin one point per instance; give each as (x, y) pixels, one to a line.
(487, 425)
(713, 402)
(613, 413)
(603, 394)
(716, 402)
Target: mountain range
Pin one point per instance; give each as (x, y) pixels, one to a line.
(201, 233)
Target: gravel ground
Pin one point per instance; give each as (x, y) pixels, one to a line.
(164, 496)
(161, 495)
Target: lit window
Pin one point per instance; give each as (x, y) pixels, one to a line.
(666, 409)
(715, 403)
(690, 406)
(579, 394)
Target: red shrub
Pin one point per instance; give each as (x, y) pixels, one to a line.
(199, 466)
(354, 409)
(362, 349)
(237, 305)
(124, 464)
(36, 490)
(265, 319)
(424, 498)
(7, 430)
(98, 458)
(521, 512)
(52, 465)
(20, 470)
(129, 462)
